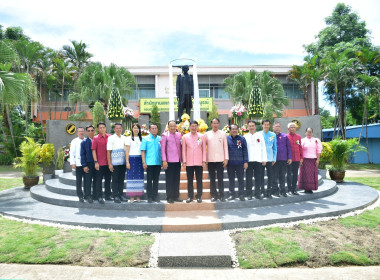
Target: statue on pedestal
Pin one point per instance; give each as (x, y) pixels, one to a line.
(185, 92)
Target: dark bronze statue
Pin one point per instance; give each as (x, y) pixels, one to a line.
(185, 91)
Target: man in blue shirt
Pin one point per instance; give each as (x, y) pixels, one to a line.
(88, 164)
(271, 147)
(151, 159)
(238, 161)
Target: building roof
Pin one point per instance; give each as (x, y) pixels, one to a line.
(354, 131)
(210, 70)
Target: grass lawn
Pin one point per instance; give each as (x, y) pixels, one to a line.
(9, 168)
(347, 241)
(8, 183)
(37, 244)
(358, 166)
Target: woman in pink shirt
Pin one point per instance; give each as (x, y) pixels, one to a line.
(308, 174)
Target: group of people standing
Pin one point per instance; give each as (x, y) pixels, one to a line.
(117, 157)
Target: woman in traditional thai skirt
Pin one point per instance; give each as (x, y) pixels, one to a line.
(308, 174)
(135, 170)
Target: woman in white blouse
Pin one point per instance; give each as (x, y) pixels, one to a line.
(135, 170)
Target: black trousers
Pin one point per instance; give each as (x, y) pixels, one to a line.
(269, 169)
(152, 176)
(172, 178)
(105, 172)
(239, 171)
(79, 174)
(254, 169)
(190, 181)
(90, 180)
(292, 174)
(218, 167)
(278, 180)
(118, 176)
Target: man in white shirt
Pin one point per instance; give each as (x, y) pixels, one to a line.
(75, 161)
(257, 158)
(116, 162)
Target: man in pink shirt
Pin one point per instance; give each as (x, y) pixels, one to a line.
(194, 159)
(171, 154)
(217, 158)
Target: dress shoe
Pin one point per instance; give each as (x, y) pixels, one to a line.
(310, 191)
(178, 200)
(123, 198)
(231, 197)
(150, 200)
(171, 201)
(214, 199)
(117, 199)
(295, 193)
(258, 197)
(199, 200)
(276, 194)
(108, 198)
(284, 194)
(189, 200)
(81, 199)
(269, 196)
(242, 198)
(249, 197)
(222, 199)
(89, 199)
(156, 199)
(101, 200)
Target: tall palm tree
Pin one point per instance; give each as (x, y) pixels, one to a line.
(15, 88)
(299, 75)
(96, 83)
(77, 55)
(339, 70)
(240, 86)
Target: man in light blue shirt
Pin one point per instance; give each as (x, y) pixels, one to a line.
(271, 147)
(151, 159)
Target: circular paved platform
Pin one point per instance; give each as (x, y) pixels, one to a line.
(56, 202)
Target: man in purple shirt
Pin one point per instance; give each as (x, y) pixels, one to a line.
(284, 157)
(171, 154)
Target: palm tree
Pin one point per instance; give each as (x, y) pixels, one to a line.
(29, 53)
(299, 75)
(96, 83)
(240, 86)
(338, 71)
(15, 88)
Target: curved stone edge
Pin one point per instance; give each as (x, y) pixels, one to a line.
(42, 194)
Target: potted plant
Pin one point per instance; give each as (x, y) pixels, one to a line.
(29, 160)
(341, 150)
(59, 161)
(324, 159)
(46, 157)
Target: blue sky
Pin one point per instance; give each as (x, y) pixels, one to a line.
(148, 32)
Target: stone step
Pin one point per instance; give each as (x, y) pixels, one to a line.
(349, 196)
(44, 194)
(198, 249)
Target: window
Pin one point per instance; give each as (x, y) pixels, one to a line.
(145, 88)
(56, 94)
(292, 91)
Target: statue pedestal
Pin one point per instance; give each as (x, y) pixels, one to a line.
(164, 118)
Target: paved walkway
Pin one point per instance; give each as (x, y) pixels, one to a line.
(64, 272)
(363, 173)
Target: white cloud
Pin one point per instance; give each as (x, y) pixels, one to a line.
(134, 32)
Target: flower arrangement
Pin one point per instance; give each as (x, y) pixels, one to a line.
(226, 129)
(185, 117)
(184, 127)
(129, 113)
(127, 133)
(239, 110)
(202, 126)
(144, 130)
(66, 150)
(243, 130)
